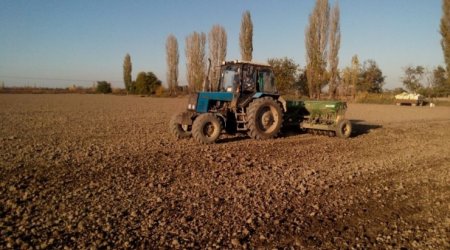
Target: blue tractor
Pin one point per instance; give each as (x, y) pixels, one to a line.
(245, 100)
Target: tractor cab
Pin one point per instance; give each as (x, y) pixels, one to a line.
(245, 80)
(239, 83)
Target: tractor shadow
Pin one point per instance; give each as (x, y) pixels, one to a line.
(232, 138)
(361, 127)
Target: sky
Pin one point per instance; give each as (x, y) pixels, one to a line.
(58, 43)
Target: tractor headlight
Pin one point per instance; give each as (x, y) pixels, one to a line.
(192, 102)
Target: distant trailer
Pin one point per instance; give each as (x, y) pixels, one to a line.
(409, 99)
(409, 102)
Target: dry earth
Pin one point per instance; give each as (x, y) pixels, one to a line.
(100, 171)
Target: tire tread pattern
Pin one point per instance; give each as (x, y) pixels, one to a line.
(198, 125)
(176, 129)
(252, 111)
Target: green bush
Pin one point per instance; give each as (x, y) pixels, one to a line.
(104, 87)
(146, 83)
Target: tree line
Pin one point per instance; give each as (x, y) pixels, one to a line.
(320, 74)
(196, 62)
(322, 41)
(432, 83)
(146, 83)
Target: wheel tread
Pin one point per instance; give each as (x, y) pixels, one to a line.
(176, 130)
(251, 119)
(197, 128)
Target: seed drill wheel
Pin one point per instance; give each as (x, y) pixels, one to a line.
(206, 128)
(265, 118)
(344, 128)
(178, 130)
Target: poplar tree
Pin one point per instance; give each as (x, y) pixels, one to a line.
(445, 32)
(316, 40)
(172, 58)
(195, 60)
(127, 68)
(217, 52)
(333, 58)
(345, 88)
(246, 37)
(354, 74)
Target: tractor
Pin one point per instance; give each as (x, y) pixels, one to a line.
(245, 100)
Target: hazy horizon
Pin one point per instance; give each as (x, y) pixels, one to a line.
(61, 43)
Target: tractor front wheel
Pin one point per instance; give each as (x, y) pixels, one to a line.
(206, 128)
(180, 131)
(264, 118)
(344, 128)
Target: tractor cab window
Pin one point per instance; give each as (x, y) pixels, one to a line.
(248, 81)
(229, 80)
(266, 81)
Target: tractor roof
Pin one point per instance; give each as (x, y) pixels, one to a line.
(246, 62)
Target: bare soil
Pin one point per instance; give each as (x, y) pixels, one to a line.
(101, 171)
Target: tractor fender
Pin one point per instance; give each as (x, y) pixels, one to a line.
(278, 98)
(222, 119)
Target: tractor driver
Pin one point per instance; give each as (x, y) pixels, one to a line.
(248, 82)
(236, 80)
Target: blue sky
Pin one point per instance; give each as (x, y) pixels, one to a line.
(57, 43)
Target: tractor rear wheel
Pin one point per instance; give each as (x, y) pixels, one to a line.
(180, 131)
(264, 118)
(206, 128)
(344, 128)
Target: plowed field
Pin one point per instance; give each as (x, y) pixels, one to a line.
(101, 171)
